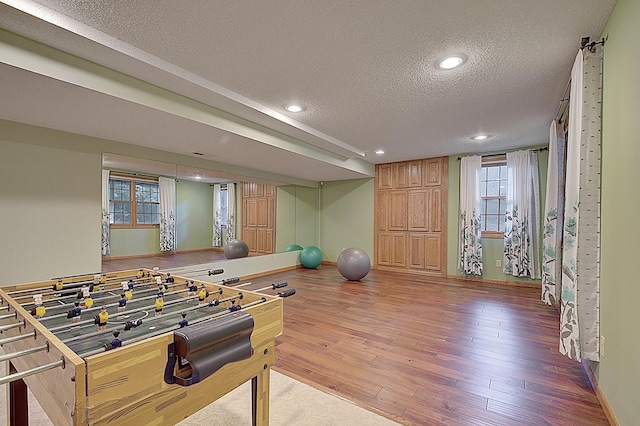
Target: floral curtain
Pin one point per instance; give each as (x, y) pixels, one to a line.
(167, 187)
(106, 249)
(552, 230)
(521, 232)
(579, 308)
(216, 241)
(231, 211)
(470, 245)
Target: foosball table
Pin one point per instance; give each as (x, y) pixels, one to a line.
(136, 346)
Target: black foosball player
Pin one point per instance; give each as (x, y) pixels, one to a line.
(75, 312)
(159, 304)
(183, 322)
(193, 288)
(203, 294)
(102, 318)
(169, 278)
(122, 303)
(116, 342)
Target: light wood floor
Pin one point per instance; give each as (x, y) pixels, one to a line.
(426, 351)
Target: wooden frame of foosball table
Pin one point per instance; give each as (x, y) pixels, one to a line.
(126, 385)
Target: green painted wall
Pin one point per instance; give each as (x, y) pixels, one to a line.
(49, 213)
(492, 249)
(194, 218)
(347, 217)
(618, 373)
(134, 242)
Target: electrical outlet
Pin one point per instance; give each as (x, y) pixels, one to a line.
(498, 263)
(602, 346)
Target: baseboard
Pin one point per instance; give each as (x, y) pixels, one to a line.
(495, 282)
(596, 388)
(136, 256)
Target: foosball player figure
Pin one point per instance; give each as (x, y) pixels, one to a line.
(203, 294)
(103, 279)
(162, 288)
(234, 307)
(130, 284)
(122, 303)
(193, 288)
(183, 322)
(88, 302)
(58, 286)
(38, 311)
(116, 342)
(159, 304)
(74, 313)
(102, 318)
(140, 274)
(169, 278)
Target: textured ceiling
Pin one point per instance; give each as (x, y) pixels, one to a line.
(364, 72)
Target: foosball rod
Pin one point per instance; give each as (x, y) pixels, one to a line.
(209, 272)
(113, 304)
(99, 332)
(67, 327)
(18, 337)
(68, 286)
(12, 355)
(75, 295)
(166, 330)
(66, 305)
(273, 286)
(31, 372)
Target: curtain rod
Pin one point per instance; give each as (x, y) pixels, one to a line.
(584, 43)
(544, 148)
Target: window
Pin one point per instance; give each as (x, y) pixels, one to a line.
(133, 202)
(493, 195)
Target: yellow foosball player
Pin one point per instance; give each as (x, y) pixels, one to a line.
(159, 304)
(102, 318)
(140, 274)
(88, 302)
(58, 286)
(38, 311)
(203, 294)
(103, 279)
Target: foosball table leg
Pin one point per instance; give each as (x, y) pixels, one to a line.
(260, 398)
(17, 401)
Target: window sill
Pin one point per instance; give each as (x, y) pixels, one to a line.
(492, 234)
(112, 226)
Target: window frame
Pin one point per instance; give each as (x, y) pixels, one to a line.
(491, 161)
(132, 191)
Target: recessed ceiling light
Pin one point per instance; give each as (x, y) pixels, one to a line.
(480, 137)
(294, 108)
(379, 151)
(451, 62)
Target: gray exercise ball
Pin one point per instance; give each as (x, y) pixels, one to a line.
(236, 249)
(353, 263)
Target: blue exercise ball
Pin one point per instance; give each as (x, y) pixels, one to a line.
(311, 257)
(236, 249)
(353, 263)
(293, 247)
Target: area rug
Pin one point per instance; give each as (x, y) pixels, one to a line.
(293, 403)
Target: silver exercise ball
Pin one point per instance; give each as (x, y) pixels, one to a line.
(236, 249)
(353, 263)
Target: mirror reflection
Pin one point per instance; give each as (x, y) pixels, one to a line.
(212, 209)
